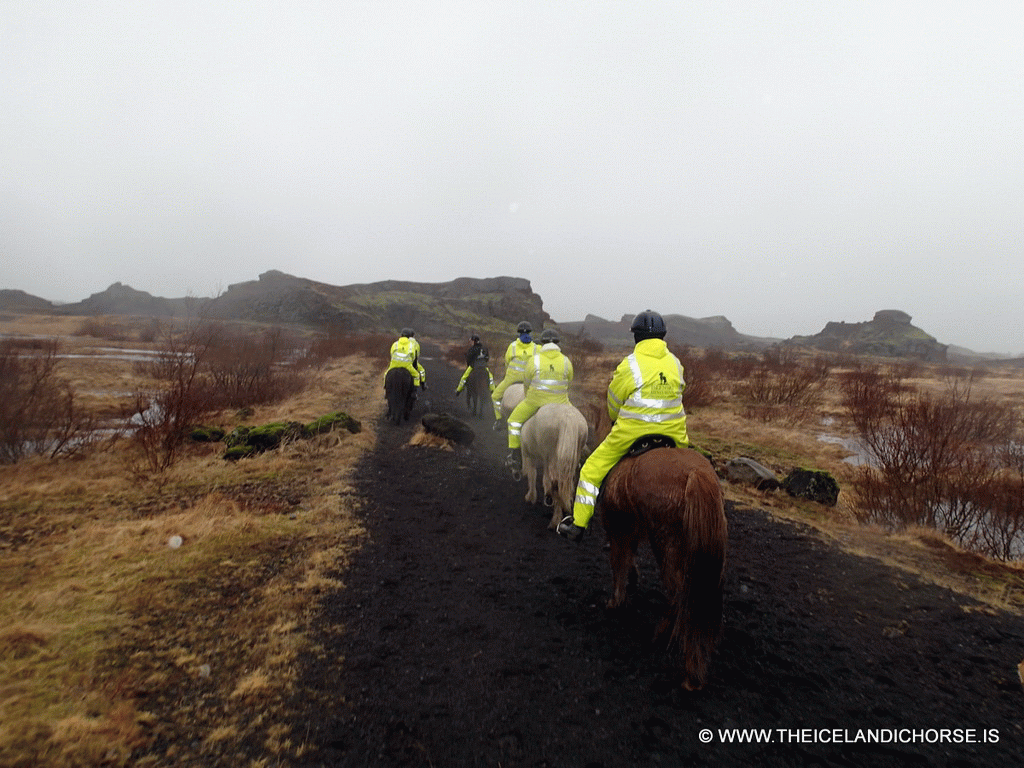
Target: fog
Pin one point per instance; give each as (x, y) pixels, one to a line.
(782, 164)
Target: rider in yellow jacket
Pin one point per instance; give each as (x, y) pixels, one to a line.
(405, 353)
(547, 376)
(645, 397)
(515, 365)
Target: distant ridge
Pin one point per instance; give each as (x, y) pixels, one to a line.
(706, 332)
(491, 306)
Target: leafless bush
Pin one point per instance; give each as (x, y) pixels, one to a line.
(250, 370)
(339, 343)
(38, 412)
(208, 368)
(870, 393)
(701, 390)
(100, 327)
(162, 419)
(940, 461)
(784, 386)
(585, 353)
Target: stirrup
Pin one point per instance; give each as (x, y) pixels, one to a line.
(570, 530)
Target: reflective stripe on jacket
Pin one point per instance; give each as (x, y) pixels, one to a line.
(548, 373)
(403, 351)
(648, 385)
(515, 358)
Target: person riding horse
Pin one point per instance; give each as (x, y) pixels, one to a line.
(515, 364)
(645, 397)
(405, 353)
(477, 354)
(546, 376)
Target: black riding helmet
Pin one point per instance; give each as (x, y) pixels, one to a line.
(550, 336)
(524, 327)
(648, 325)
(408, 332)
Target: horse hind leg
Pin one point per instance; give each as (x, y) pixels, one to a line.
(530, 473)
(622, 555)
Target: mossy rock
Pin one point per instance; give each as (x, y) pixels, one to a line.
(237, 452)
(248, 441)
(268, 436)
(332, 421)
(812, 484)
(237, 436)
(203, 434)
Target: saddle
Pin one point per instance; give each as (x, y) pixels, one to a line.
(649, 443)
(641, 446)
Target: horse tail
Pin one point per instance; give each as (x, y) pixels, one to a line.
(572, 437)
(699, 600)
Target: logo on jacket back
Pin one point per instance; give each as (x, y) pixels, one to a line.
(663, 389)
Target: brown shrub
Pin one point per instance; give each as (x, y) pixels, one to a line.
(39, 415)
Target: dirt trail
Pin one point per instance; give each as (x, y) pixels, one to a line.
(468, 634)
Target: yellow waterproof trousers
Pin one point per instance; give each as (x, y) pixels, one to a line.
(499, 390)
(623, 434)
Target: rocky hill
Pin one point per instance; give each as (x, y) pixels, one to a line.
(704, 332)
(889, 334)
(487, 305)
(121, 299)
(21, 302)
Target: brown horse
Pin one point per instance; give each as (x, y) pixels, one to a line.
(672, 498)
(478, 389)
(400, 393)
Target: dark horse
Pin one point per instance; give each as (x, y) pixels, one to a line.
(398, 388)
(672, 498)
(478, 389)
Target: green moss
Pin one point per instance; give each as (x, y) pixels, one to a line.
(239, 452)
(202, 434)
(247, 441)
(271, 435)
(331, 421)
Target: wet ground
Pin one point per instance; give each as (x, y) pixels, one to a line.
(468, 634)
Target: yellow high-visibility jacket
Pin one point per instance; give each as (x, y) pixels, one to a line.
(515, 359)
(645, 397)
(547, 375)
(646, 392)
(405, 354)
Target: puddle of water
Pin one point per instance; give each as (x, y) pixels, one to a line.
(859, 456)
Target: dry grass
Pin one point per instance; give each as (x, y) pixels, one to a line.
(101, 612)
(99, 607)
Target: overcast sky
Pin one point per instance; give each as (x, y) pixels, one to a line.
(780, 163)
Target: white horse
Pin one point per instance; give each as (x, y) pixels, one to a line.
(554, 439)
(514, 394)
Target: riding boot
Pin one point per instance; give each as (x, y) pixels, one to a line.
(570, 530)
(514, 460)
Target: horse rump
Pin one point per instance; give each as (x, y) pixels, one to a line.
(672, 498)
(478, 389)
(400, 394)
(553, 440)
